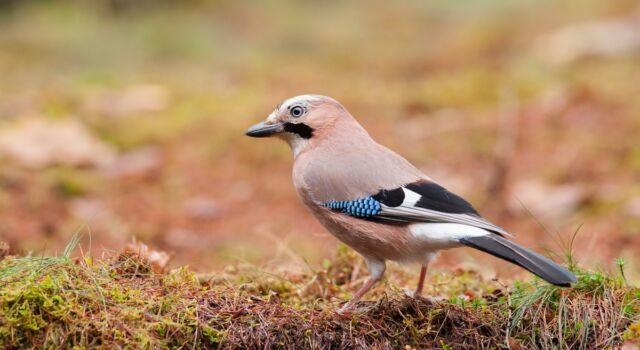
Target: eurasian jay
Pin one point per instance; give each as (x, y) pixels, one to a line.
(376, 202)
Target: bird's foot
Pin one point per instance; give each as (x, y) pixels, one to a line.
(343, 312)
(410, 293)
(351, 308)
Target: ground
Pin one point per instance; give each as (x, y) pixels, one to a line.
(122, 302)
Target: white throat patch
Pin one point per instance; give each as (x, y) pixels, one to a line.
(296, 143)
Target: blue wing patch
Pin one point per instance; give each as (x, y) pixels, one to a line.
(360, 208)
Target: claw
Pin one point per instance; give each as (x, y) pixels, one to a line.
(410, 293)
(413, 295)
(343, 312)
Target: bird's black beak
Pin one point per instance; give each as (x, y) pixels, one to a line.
(263, 129)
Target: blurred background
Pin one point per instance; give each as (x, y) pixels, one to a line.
(125, 118)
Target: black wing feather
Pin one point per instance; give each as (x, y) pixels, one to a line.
(436, 197)
(390, 198)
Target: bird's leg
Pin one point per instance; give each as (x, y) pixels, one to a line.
(423, 274)
(376, 268)
(356, 297)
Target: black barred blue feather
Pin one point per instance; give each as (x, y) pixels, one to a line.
(360, 208)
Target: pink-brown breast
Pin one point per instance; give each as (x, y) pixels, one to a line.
(369, 238)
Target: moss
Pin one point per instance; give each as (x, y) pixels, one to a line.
(120, 302)
(633, 332)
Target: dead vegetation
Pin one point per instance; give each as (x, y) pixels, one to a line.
(134, 127)
(121, 302)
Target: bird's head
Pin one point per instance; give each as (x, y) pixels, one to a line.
(299, 120)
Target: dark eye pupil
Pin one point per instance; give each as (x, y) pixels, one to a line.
(297, 111)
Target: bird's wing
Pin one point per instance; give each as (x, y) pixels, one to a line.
(418, 202)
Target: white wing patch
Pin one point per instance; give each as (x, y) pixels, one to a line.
(444, 235)
(410, 198)
(442, 231)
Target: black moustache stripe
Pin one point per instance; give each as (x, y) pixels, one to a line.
(301, 129)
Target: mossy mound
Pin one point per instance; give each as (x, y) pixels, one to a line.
(121, 302)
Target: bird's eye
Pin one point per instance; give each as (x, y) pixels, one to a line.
(297, 111)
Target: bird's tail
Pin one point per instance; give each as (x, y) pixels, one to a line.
(533, 262)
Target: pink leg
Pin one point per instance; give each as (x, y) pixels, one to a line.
(356, 297)
(423, 274)
(377, 270)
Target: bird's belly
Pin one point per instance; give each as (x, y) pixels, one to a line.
(376, 240)
(381, 244)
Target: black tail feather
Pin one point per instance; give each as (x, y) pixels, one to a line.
(533, 262)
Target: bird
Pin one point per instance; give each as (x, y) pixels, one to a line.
(377, 202)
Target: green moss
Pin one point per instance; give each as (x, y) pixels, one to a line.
(54, 302)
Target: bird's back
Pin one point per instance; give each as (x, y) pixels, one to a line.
(347, 164)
